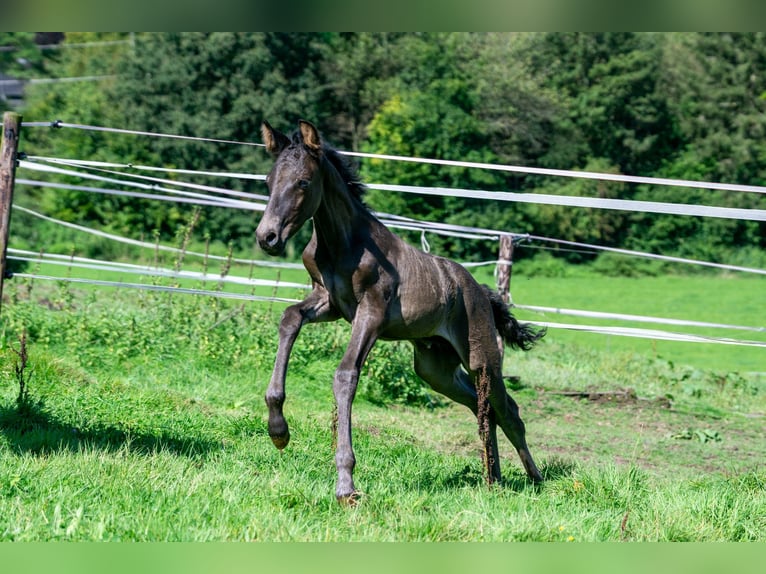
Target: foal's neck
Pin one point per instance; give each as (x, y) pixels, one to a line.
(339, 215)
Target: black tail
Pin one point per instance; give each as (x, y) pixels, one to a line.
(517, 335)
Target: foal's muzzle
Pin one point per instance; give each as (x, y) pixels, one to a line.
(270, 241)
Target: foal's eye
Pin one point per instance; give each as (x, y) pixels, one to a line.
(303, 183)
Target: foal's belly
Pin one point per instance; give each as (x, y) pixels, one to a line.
(416, 302)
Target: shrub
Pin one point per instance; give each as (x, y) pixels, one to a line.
(388, 377)
(616, 265)
(543, 265)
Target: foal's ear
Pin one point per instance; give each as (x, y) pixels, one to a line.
(310, 135)
(275, 140)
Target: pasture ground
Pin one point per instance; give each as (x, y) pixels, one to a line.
(144, 420)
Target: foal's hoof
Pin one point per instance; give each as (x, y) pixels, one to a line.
(280, 441)
(350, 500)
(535, 476)
(530, 467)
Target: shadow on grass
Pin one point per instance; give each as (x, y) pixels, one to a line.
(467, 476)
(513, 479)
(551, 470)
(29, 428)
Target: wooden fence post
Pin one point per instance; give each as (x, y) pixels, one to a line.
(504, 264)
(8, 150)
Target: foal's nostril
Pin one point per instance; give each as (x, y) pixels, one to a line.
(271, 239)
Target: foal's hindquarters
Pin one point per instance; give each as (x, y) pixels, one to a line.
(466, 366)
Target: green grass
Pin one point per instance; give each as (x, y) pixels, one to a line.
(145, 421)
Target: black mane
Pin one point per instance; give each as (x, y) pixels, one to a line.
(348, 170)
(344, 165)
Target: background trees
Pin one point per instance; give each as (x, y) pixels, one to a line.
(684, 105)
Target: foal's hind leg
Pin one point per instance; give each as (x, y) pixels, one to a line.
(484, 362)
(507, 415)
(437, 363)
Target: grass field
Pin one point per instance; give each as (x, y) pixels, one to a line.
(144, 420)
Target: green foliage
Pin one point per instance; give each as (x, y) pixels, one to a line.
(616, 107)
(358, 72)
(21, 57)
(447, 131)
(703, 435)
(104, 335)
(616, 265)
(389, 377)
(680, 105)
(715, 89)
(544, 265)
(595, 226)
(458, 97)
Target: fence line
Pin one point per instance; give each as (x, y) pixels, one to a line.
(653, 334)
(439, 229)
(147, 245)
(393, 221)
(405, 223)
(568, 173)
(450, 163)
(636, 318)
(217, 202)
(200, 187)
(619, 331)
(632, 205)
(23, 164)
(105, 164)
(143, 270)
(655, 256)
(400, 222)
(164, 288)
(158, 246)
(59, 124)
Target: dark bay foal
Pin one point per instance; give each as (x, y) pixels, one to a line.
(386, 289)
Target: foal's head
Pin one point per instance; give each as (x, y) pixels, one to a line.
(295, 186)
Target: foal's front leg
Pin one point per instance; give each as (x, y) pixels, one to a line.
(315, 307)
(364, 333)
